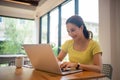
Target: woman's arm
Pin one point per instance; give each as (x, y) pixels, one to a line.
(61, 55)
(97, 64)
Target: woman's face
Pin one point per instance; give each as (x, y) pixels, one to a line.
(74, 31)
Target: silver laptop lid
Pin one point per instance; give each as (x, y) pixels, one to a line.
(42, 57)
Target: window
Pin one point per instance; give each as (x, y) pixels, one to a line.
(67, 11)
(44, 29)
(0, 19)
(88, 10)
(54, 27)
(14, 34)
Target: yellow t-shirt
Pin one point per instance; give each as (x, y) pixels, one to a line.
(83, 57)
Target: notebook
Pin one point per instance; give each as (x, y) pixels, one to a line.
(42, 58)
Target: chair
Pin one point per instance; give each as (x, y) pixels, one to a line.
(107, 70)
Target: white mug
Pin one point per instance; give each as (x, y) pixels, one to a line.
(19, 62)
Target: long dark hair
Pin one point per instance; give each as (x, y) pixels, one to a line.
(78, 21)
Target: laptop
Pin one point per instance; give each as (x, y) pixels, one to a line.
(42, 58)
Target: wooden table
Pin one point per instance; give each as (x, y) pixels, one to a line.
(12, 73)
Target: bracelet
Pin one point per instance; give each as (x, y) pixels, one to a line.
(78, 66)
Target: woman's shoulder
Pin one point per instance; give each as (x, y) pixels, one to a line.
(69, 42)
(94, 43)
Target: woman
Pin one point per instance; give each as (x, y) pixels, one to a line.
(83, 52)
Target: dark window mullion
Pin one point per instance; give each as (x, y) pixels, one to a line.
(48, 28)
(40, 30)
(59, 28)
(76, 7)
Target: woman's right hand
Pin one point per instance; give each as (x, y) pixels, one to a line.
(66, 65)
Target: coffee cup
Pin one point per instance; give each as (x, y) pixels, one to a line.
(19, 61)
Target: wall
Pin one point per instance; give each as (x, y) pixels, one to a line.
(115, 37)
(109, 20)
(16, 12)
(104, 29)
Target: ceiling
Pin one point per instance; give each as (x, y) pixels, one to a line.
(25, 4)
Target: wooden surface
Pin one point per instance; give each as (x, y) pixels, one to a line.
(12, 73)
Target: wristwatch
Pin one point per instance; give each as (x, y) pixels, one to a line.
(78, 66)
